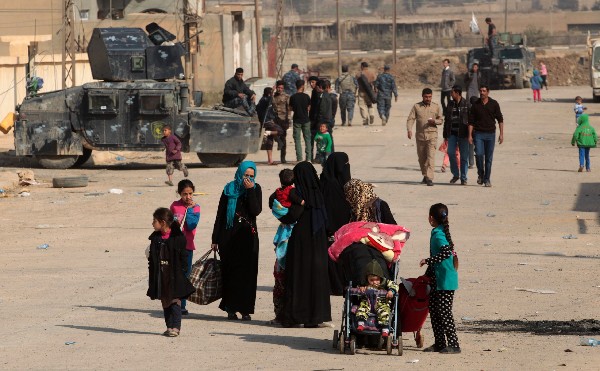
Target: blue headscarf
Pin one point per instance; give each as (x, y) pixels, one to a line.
(234, 189)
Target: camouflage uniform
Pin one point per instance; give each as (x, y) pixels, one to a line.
(385, 85)
(282, 118)
(346, 86)
(290, 79)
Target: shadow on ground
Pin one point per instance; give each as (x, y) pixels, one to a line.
(582, 327)
(588, 200)
(109, 329)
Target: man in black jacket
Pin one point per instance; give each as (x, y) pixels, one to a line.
(236, 93)
(313, 114)
(456, 132)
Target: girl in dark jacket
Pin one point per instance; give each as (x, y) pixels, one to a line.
(167, 264)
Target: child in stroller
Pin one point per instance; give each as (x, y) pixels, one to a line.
(374, 305)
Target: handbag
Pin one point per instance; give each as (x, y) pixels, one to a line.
(206, 279)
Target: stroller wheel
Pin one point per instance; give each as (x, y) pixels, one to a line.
(388, 345)
(400, 348)
(381, 342)
(352, 344)
(420, 339)
(336, 335)
(342, 344)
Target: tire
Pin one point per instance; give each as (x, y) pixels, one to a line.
(87, 153)
(70, 182)
(336, 336)
(342, 344)
(352, 344)
(388, 345)
(419, 339)
(518, 81)
(221, 159)
(57, 162)
(400, 346)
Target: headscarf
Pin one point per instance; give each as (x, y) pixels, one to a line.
(234, 189)
(336, 173)
(307, 185)
(361, 196)
(584, 119)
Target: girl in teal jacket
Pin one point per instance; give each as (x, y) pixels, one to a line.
(444, 281)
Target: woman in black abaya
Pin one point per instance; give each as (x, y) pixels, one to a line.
(306, 293)
(336, 173)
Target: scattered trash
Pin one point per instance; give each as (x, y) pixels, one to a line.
(563, 364)
(490, 215)
(48, 226)
(69, 342)
(467, 319)
(487, 244)
(534, 154)
(501, 349)
(93, 194)
(541, 138)
(2, 193)
(26, 177)
(487, 350)
(538, 269)
(569, 237)
(115, 191)
(139, 193)
(120, 158)
(43, 246)
(475, 281)
(597, 286)
(413, 361)
(536, 291)
(106, 250)
(376, 131)
(24, 194)
(590, 342)
(148, 178)
(545, 203)
(523, 264)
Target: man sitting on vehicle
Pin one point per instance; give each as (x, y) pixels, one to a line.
(236, 93)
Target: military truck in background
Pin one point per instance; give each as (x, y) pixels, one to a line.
(594, 54)
(141, 90)
(511, 65)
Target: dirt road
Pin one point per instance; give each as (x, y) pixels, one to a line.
(89, 286)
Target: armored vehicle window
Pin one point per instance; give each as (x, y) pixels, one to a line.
(596, 58)
(102, 103)
(511, 54)
(155, 104)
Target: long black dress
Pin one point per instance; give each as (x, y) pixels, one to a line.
(336, 173)
(238, 249)
(307, 288)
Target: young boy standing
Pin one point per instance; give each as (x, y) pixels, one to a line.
(579, 108)
(323, 142)
(172, 154)
(585, 137)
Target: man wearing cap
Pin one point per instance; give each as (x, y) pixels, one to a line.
(290, 79)
(236, 93)
(366, 96)
(347, 87)
(385, 85)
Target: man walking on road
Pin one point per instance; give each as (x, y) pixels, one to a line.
(300, 104)
(482, 131)
(385, 86)
(427, 116)
(347, 87)
(366, 96)
(290, 79)
(456, 131)
(448, 81)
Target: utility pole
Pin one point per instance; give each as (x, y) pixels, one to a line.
(68, 51)
(279, 38)
(258, 38)
(395, 31)
(339, 38)
(505, 15)
(190, 29)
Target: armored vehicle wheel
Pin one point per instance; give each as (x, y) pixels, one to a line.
(57, 162)
(352, 344)
(87, 153)
(336, 336)
(518, 81)
(342, 343)
(221, 159)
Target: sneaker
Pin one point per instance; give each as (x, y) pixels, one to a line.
(580, 169)
(429, 182)
(488, 184)
(184, 312)
(479, 180)
(185, 172)
(454, 179)
(463, 182)
(588, 170)
(385, 332)
(450, 350)
(169, 183)
(361, 326)
(173, 333)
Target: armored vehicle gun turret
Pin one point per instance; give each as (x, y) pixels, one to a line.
(140, 92)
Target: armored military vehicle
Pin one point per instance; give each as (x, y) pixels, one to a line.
(511, 65)
(140, 91)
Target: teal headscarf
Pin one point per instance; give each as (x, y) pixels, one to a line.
(234, 189)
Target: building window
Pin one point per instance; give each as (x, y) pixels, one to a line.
(84, 14)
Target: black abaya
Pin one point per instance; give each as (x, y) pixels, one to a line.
(238, 249)
(306, 292)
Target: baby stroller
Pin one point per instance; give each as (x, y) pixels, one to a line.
(413, 307)
(348, 337)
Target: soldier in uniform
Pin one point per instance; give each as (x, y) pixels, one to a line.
(385, 86)
(347, 87)
(290, 79)
(281, 110)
